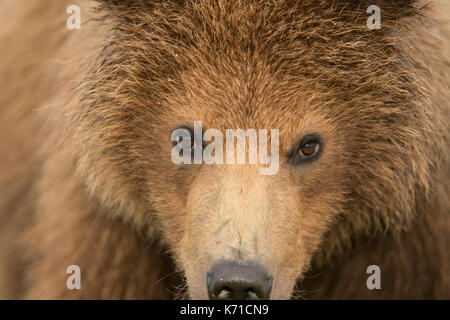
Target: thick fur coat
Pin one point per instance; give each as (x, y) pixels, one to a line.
(85, 123)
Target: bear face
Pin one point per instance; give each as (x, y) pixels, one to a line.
(305, 69)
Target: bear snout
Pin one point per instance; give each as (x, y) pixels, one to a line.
(231, 280)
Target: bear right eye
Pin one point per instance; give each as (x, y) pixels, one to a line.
(309, 149)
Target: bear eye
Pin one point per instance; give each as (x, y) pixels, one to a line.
(309, 149)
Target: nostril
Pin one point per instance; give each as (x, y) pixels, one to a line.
(225, 293)
(231, 280)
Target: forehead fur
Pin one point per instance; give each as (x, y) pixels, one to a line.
(259, 48)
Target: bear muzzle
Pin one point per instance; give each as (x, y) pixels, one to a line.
(231, 280)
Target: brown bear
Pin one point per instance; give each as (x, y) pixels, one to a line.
(358, 207)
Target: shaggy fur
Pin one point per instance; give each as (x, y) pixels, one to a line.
(86, 117)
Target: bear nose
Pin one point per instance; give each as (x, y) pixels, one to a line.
(232, 280)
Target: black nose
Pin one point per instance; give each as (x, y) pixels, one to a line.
(231, 280)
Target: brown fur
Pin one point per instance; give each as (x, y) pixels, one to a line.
(86, 117)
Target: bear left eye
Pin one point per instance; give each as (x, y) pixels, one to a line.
(309, 149)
